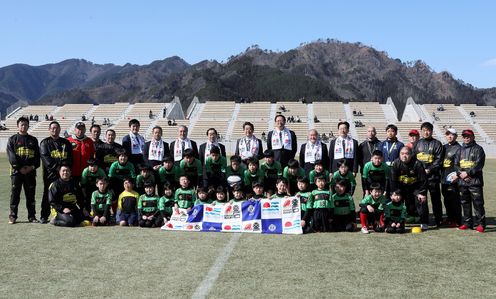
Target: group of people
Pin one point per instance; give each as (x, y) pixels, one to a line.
(143, 182)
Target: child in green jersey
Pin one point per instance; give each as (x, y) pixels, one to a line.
(343, 173)
(282, 188)
(185, 196)
(318, 170)
(148, 211)
(395, 214)
(101, 200)
(88, 181)
(271, 169)
(192, 168)
(120, 170)
(220, 194)
(258, 190)
(343, 218)
(303, 195)
(239, 195)
(291, 173)
(166, 202)
(372, 209)
(252, 174)
(375, 171)
(169, 173)
(321, 205)
(202, 196)
(146, 176)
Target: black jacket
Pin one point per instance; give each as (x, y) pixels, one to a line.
(365, 150)
(283, 155)
(147, 151)
(194, 147)
(430, 153)
(408, 177)
(309, 166)
(202, 151)
(23, 150)
(451, 151)
(471, 158)
(106, 154)
(53, 152)
(353, 163)
(260, 149)
(64, 194)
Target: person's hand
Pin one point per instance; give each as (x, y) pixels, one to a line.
(176, 210)
(303, 223)
(422, 198)
(367, 192)
(103, 219)
(66, 210)
(150, 217)
(156, 167)
(188, 209)
(454, 178)
(463, 175)
(370, 208)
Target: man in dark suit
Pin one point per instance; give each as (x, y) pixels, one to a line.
(282, 141)
(182, 143)
(249, 146)
(344, 147)
(205, 148)
(312, 151)
(156, 149)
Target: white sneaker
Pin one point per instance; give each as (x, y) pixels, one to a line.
(364, 230)
(424, 227)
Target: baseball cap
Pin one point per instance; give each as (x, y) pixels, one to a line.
(467, 132)
(451, 131)
(80, 124)
(414, 132)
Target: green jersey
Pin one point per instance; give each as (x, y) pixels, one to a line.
(141, 181)
(171, 175)
(88, 178)
(376, 204)
(271, 171)
(349, 178)
(100, 202)
(203, 202)
(215, 167)
(395, 211)
(185, 198)
(193, 171)
(148, 205)
(166, 204)
(320, 199)
(122, 171)
(239, 172)
(343, 204)
(292, 179)
(313, 174)
(249, 177)
(304, 199)
(375, 174)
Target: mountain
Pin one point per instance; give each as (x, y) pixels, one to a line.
(321, 70)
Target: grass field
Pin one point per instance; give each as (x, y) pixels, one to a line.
(113, 262)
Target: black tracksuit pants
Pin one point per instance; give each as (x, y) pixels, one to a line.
(28, 181)
(451, 198)
(473, 195)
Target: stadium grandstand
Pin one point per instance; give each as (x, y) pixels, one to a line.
(228, 118)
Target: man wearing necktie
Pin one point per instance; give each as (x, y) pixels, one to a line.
(285, 147)
(212, 137)
(348, 149)
(249, 145)
(307, 155)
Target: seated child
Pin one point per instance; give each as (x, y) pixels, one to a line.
(343, 218)
(185, 196)
(252, 174)
(127, 213)
(320, 206)
(192, 168)
(343, 173)
(148, 211)
(169, 173)
(271, 169)
(318, 169)
(258, 190)
(303, 195)
(291, 173)
(395, 214)
(146, 176)
(88, 181)
(166, 202)
(282, 188)
(202, 197)
(220, 194)
(375, 171)
(238, 194)
(235, 172)
(372, 209)
(101, 200)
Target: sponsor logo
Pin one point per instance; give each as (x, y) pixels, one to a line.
(272, 227)
(288, 224)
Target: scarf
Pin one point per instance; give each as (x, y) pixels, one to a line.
(209, 146)
(346, 152)
(248, 147)
(156, 150)
(313, 152)
(137, 144)
(281, 143)
(178, 149)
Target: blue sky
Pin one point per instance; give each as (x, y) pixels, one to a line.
(454, 36)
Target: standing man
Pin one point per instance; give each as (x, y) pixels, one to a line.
(469, 164)
(212, 141)
(344, 147)
(54, 152)
(134, 143)
(312, 151)
(106, 153)
(413, 137)
(155, 152)
(249, 146)
(95, 131)
(182, 143)
(365, 150)
(391, 146)
(408, 175)
(24, 157)
(282, 141)
(82, 150)
(430, 152)
(449, 188)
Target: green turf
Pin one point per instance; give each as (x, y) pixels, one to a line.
(42, 260)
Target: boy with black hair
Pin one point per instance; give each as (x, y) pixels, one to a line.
(282, 188)
(395, 213)
(127, 213)
(344, 174)
(214, 172)
(148, 211)
(375, 171)
(272, 170)
(220, 195)
(146, 176)
(252, 174)
(291, 173)
(238, 195)
(166, 202)
(320, 206)
(391, 146)
(372, 209)
(318, 170)
(134, 143)
(234, 174)
(303, 195)
(169, 173)
(101, 200)
(185, 196)
(88, 181)
(202, 196)
(258, 191)
(120, 170)
(192, 168)
(343, 218)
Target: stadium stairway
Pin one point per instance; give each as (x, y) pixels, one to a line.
(350, 120)
(91, 110)
(310, 116)
(427, 117)
(389, 114)
(230, 126)
(476, 125)
(273, 109)
(195, 115)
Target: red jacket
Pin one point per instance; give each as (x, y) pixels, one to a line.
(82, 151)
